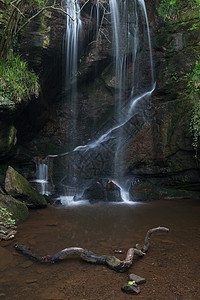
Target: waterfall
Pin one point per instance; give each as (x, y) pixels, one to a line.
(130, 38)
(71, 39)
(70, 50)
(42, 174)
(142, 3)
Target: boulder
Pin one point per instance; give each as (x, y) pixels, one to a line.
(11, 210)
(17, 186)
(112, 192)
(17, 208)
(103, 190)
(95, 192)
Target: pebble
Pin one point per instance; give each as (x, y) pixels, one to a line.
(137, 279)
(131, 289)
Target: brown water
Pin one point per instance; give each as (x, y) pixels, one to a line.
(171, 267)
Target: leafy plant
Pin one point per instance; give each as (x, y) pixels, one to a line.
(18, 14)
(6, 217)
(174, 76)
(195, 127)
(194, 27)
(194, 89)
(170, 9)
(194, 79)
(16, 81)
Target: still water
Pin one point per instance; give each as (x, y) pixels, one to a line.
(171, 266)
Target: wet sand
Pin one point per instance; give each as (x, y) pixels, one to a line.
(171, 266)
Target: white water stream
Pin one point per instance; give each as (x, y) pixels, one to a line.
(42, 175)
(121, 41)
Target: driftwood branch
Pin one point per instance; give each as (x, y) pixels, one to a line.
(110, 261)
(148, 235)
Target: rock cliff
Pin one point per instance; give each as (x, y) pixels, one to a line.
(158, 152)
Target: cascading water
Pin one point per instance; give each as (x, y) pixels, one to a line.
(42, 174)
(130, 37)
(70, 50)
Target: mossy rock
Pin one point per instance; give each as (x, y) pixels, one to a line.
(17, 208)
(8, 138)
(6, 104)
(17, 186)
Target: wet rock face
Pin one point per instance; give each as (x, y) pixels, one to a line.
(162, 151)
(157, 145)
(53, 112)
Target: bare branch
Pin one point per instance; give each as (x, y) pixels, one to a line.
(148, 235)
(17, 9)
(110, 261)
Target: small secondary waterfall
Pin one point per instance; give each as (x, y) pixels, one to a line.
(42, 174)
(130, 39)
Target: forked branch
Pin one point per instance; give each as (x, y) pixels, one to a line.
(110, 261)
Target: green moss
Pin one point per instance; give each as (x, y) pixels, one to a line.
(189, 14)
(45, 29)
(12, 139)
(112, 261)
(8, 138)
(18, 209)
(17, 186)
(173, 11)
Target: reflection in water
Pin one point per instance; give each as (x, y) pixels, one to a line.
(171, 267)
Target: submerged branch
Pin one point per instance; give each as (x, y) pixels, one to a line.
(110, 261)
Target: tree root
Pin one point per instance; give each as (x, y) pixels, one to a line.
(110, 261)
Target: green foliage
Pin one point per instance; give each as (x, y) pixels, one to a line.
(1, 16)
(195, 126)
(194, 27)
(170, 9)
(194, 90)
(6, 217)
(174, 76)
(17, 83)
(194, 79)
(39, 3)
